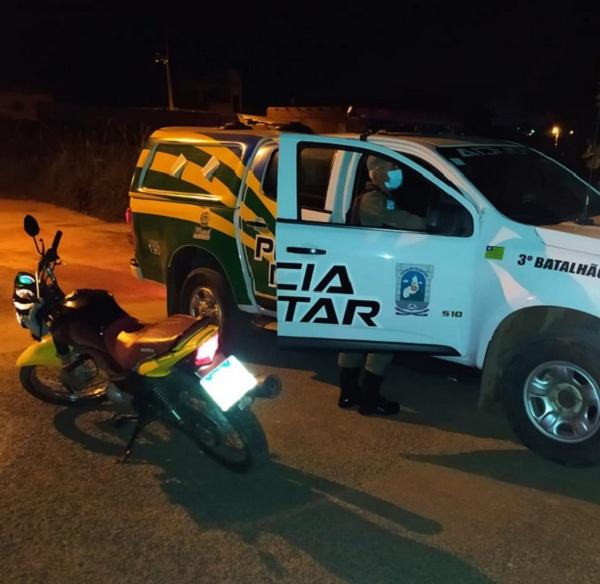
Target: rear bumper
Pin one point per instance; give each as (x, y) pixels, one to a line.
(135, 270)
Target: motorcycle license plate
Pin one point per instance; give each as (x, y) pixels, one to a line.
(228, 383)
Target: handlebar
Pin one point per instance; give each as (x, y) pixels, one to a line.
(52, 253)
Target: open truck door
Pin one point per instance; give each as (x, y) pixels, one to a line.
(347, 287)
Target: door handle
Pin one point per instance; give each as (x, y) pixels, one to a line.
(257, 224)
(306, 250)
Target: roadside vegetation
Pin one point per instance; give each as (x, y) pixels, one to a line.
(88, 171)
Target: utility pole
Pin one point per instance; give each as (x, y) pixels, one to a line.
(163, 59)
(168, 70)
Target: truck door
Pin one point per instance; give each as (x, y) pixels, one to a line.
(346, 286)
(257, 221)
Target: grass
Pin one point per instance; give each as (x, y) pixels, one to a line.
(88, 172)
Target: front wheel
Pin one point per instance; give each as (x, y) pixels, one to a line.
(84, 385)
(552, 400)
(233, 438)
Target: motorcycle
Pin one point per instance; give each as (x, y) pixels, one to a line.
(88, 348)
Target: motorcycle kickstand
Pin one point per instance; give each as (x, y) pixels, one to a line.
(142, 422)
(119, 420)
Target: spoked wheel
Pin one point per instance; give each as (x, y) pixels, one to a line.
(86, 383)
(562, 401)
(552, 399)
(233, 438)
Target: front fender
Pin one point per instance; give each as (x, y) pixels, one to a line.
(524, 327)
(42, 353)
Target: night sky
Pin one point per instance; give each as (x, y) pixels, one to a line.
(455, 57)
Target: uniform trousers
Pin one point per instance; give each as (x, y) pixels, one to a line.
(374, 362)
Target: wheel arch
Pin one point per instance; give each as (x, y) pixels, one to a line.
(525, 326)
(184, 260)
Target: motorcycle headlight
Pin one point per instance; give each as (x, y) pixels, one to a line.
(24, 297)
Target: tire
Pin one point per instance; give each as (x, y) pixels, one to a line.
(552, 399)
(252, 448)
(211, 287)
(44, 383)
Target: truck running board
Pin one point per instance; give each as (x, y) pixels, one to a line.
(265, 323)
(352, 346)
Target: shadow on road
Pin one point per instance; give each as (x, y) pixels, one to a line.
(437, 393)
(525, 469)
(350, 534)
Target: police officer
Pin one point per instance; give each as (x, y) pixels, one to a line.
(376, 207)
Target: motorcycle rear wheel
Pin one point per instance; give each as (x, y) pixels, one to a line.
(234, 438)
(45, 384)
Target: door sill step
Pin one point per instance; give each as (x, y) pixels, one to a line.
(265, 323)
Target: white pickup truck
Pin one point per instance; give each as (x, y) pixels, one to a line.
(505, 277)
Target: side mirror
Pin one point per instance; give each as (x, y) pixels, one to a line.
(31, 226)
(452, 220)
(434, 219)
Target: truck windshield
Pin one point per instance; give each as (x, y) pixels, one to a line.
(524, 185)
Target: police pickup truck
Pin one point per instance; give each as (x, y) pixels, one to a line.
(505, 276)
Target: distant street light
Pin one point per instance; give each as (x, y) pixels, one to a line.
(556, 133)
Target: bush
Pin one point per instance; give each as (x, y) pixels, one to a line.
(89, 172)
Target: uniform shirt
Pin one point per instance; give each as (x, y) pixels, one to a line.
(376, 210)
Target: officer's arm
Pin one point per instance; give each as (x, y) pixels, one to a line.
(404, 220)
(372, 209)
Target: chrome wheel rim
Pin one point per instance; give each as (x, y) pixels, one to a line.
(562, 401)
(204, 303)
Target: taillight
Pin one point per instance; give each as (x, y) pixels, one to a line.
(207, 350)
(128, 216)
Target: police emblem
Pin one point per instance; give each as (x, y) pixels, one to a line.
(413, 286)
(203, 230)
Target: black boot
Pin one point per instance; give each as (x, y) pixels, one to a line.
(371, 401)
(350, 394)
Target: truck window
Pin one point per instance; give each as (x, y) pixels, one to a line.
(190, 169)
(405, 207)
(270, 178)
(415, 195)
(314, 172)
(523, 184)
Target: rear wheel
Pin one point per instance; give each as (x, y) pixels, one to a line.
(86, 383)
(233, 438)
(205, 293)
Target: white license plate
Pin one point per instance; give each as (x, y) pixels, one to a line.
(228, 383)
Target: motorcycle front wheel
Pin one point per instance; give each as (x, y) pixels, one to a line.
(233, 438)
(47, 384)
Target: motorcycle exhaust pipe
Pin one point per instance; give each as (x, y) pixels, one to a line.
(116, 396)
(268, 387)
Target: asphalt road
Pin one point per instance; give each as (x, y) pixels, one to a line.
(439, 493)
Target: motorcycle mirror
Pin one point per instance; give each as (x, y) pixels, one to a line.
(31, 225)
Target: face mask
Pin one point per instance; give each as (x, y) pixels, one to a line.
(394, 180)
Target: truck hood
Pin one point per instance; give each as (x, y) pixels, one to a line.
(569, 235)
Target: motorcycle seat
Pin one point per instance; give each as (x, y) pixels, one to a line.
(130, 342)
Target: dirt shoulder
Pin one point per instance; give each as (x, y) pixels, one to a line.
(95, 254)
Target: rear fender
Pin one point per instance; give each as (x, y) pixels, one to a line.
(162, 366)
(42, 353)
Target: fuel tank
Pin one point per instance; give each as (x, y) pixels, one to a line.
(84, 315)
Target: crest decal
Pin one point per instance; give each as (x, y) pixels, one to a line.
(413, 287)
